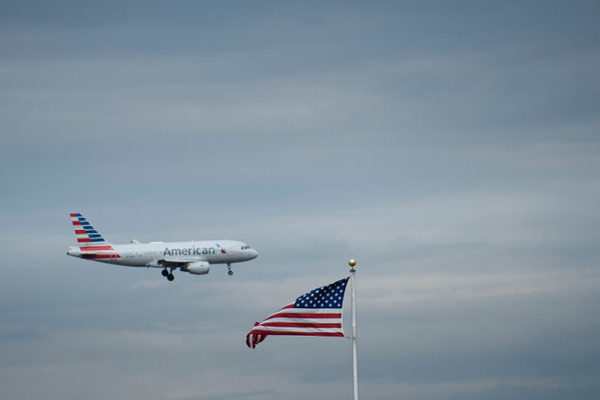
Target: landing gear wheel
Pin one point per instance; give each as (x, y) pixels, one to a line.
(165, 273)
(170, 277)
(229, 271)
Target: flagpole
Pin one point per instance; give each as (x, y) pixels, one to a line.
(352, 264)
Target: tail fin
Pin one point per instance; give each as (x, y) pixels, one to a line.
(85, 233)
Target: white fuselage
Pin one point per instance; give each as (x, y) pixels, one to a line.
(160, 254)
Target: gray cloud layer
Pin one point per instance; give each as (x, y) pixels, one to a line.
(451, 147)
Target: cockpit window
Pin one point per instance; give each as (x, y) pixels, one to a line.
(245, 247)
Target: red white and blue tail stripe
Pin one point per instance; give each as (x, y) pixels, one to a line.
(91, 243)
(85, 233)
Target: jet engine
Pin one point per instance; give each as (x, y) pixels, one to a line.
(197, 268)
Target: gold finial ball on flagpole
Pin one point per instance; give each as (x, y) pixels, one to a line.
(352, 263)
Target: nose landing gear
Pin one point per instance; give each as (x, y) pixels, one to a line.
(229, 271)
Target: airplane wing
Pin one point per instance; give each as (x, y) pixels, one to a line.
(177, 261)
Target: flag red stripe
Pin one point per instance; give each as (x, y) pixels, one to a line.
(76, 223)
(84, 240)
(302, 325)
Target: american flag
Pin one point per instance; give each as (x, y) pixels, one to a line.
(316, 313)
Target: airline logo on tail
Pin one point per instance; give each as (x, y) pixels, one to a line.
(92, 244)
(85, 233)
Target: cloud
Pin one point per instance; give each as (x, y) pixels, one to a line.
(451, 150)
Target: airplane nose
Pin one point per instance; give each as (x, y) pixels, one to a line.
(253, 254)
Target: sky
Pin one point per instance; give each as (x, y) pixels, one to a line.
(452, 148)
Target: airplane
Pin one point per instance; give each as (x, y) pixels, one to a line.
(194, 257)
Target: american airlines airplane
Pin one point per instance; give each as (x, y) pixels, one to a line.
(193, 257)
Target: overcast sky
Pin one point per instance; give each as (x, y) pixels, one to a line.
(451, 147)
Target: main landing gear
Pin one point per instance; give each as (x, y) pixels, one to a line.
(168, 275)
(229, 271)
